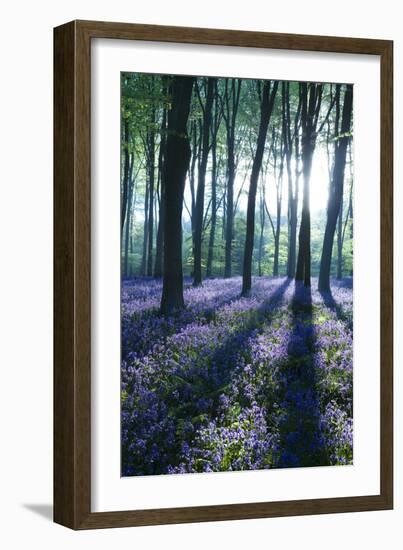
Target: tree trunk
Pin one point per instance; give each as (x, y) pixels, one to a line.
(336, 190)
(213, 222)
(128, 221)
(229, 229)
(176, 167)
(303, 272)
(265, 114)
(126, 169)
(293, 183)
(350, 210)
(279, 188)
(232, 104)
(160, 233)
(277, 238)
(293, 215)
(201, 184)
(311, 98)
(292, 238)
(143, 267)
(151, 176)
(278, 178)
(262, 224)
(340, 243)
(195, 135)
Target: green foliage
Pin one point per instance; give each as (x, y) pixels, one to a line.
(145, 97)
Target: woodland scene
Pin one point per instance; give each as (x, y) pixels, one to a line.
(237, 274)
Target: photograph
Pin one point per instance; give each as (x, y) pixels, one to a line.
(236, 274)
(201, 203)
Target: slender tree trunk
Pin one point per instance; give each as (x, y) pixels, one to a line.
(131, 229)
(143, 267)
(160, 237)
(336, 190)
(151, 180)
(340, 243)
(279, 188)
(160, 233)
(194, 161)
(224, 212)
(293, 183)
(293, 214)
(262, 224)
(277, 238)
(311, 98)
(192, 170)
(133, 208)
(213, 223)
(126, 250)
(176, 167)
(126, 170)
(128, 221)
(304, 253)
(232, 103)
(131, 244)
(279, 192)
(201, 184)
(292, 239)
(159, 247)
(229, 229)
(268, 96)
(350, 213)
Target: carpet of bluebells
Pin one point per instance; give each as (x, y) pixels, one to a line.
(235, 383)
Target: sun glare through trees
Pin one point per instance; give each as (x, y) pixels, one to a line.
(237, 274)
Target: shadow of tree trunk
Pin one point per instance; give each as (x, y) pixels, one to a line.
(331, 304)
(301, 440)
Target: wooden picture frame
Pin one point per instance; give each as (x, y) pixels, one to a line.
(72, 269)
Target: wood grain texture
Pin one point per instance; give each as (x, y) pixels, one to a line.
(64, 364)
(220, 37)
(72, 268)
(386, 282)
(72, 216)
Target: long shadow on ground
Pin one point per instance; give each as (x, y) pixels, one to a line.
(141, 331)
(301, 441)
(331, 304)
(210, 383)
(198, 389)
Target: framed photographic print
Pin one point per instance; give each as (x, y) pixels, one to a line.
(223, 275)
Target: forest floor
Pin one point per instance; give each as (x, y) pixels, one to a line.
(235, 383)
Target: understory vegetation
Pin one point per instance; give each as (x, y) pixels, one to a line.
(233, 383)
